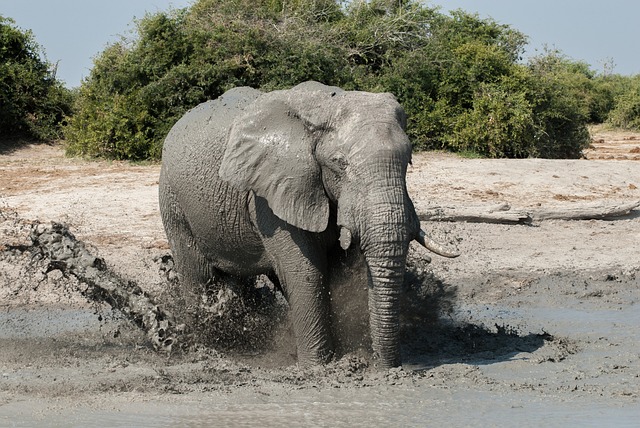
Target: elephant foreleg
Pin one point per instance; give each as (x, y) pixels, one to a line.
(307, 297)
(301, 270)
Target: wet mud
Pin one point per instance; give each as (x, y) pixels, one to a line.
(245, 319)
(533, 325)
(523, 349)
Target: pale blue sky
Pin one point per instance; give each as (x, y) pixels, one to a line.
(597, 32)
(73, 32)
(593, 31)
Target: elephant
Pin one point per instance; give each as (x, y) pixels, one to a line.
(279, 183)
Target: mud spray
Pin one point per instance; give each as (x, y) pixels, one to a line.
(242, 318)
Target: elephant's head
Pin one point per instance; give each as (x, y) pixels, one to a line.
(313, 150)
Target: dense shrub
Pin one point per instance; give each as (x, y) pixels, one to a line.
(626, 110)
(123, 109)
(484, 101)
(604, 91)
(32, 102)
(138, 89)
(561, 91)
(500, 123)
(459, 77)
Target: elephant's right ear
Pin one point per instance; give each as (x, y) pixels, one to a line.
(270, 150)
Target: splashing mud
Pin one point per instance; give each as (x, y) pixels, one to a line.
(532, 325)
(251, 318)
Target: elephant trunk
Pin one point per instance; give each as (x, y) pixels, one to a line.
(386, 277)
(385, 243)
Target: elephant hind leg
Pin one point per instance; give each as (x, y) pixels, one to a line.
(195, 271)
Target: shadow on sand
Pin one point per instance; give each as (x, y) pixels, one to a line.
(9, 145)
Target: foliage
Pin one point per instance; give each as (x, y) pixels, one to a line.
(459, 77)
(138, 89)
(477, 97)
(32, 101)
(561, 92)
(626, 111)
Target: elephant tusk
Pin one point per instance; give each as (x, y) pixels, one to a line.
(434, 246)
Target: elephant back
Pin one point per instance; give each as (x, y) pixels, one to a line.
(194, 147)
(206, 124)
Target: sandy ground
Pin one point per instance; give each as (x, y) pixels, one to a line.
(540, 326)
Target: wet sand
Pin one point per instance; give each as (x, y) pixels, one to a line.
(535, 324)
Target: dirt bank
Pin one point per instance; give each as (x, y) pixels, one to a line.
(536, 323)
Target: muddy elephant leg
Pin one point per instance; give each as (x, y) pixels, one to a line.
(300, 265)
(307, 293)
(193, 268)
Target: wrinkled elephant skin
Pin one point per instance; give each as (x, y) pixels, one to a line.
(279, 183)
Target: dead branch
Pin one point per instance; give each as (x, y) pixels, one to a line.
(503, 214)
(593, 211)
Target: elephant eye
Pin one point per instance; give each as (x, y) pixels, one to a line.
(338, 162)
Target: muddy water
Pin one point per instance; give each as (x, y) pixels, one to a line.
(362, 409)
(587, 376)
(33, 323)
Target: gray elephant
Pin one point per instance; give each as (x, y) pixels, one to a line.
(279, 183)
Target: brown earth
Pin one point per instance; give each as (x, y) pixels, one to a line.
(607, 144)
(535, 324)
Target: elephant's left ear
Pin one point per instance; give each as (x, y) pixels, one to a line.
(270, 150)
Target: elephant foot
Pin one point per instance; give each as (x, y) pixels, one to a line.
(309, 359)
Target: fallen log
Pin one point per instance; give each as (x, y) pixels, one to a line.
(500, 214)
(503, 214)
(592, 211)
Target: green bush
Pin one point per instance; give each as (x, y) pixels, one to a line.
(32, 102)
(483, 100)
(138, 89)
(500, 123)
(459, 77)
(604, 90)
(560, 90)
(626, 111)
(123, 108)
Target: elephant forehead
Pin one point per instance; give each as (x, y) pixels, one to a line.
(368, 138)
(363, 101)
(372, 120)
